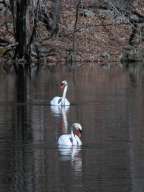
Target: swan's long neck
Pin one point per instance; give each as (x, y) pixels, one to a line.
(64, 93)
(72, 135)
(75, 140)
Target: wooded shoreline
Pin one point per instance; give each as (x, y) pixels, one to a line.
(59, 32)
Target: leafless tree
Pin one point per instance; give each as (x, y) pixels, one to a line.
(124, 10)
(26, 15)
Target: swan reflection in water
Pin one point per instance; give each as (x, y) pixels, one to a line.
(61, 112)
(73, 155)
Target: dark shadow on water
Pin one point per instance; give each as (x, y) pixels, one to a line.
(21, 87)
(23, 158)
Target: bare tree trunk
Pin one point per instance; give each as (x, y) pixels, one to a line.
(21, 31)
(56, 6)
(20, 10)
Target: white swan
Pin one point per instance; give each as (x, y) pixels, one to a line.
(72, 139)
(61, 101)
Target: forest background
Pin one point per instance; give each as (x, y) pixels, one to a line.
(54, 32)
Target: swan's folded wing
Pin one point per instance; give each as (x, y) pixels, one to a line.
(65, 140)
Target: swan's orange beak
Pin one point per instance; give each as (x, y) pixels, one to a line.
(78, 133)
(62, 85)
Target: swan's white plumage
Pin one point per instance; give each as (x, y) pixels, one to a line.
(58, 101)
(69, 140)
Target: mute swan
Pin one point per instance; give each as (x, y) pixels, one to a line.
(73, 138)
(61, 101)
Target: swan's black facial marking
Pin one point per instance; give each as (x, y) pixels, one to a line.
(80, 131)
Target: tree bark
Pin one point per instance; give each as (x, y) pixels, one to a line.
(21, 30)
(56, 6)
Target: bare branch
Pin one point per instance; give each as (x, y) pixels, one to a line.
(6, 5)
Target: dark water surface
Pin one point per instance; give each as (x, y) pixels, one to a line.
(110, 107)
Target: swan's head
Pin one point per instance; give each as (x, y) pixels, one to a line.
(63, 84)
(77, 129)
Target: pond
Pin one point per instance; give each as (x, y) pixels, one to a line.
(109, 104)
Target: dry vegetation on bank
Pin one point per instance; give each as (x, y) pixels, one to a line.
(96, 36)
